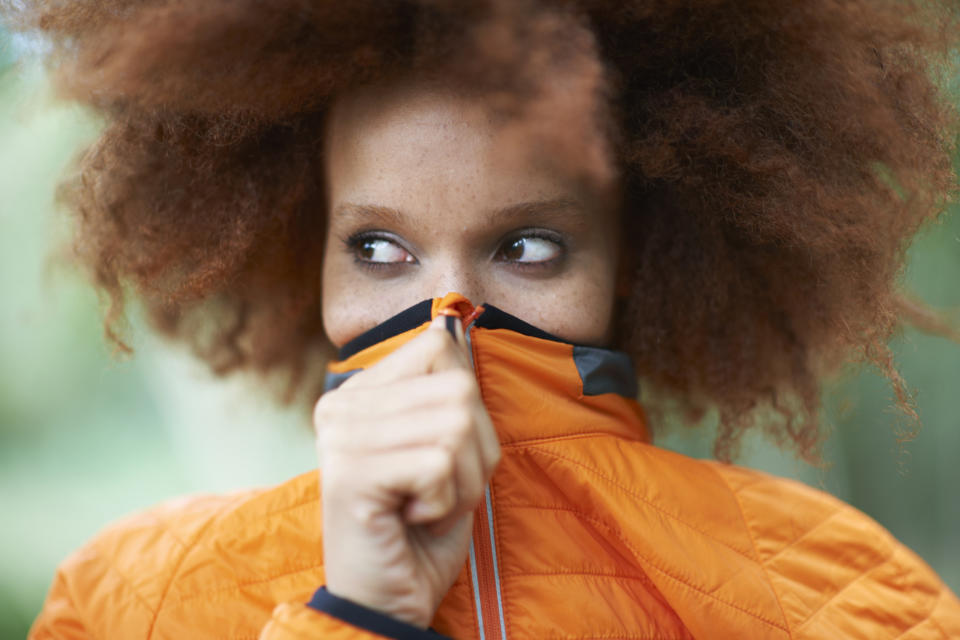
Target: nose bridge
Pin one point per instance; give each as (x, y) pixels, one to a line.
(454, 273)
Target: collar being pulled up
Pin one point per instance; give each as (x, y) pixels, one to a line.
(534, 385)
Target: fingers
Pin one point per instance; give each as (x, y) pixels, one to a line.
(390, 479)
(442, 409)
(422, 481)
(394, 415)
(444, 430)
(471, 476)
(433, 350)
(410, 436)
(455, 354)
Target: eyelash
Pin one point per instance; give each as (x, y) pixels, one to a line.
(538, 234)
(352, 244)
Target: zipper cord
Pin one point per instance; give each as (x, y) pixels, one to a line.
(484, 569)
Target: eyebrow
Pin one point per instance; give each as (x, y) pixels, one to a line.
(555, 209)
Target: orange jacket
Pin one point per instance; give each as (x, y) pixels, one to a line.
(586, 531)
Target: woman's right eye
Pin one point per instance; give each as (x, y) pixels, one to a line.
(377, 250)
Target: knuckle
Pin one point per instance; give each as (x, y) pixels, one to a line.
(462, 385)
(459, 426)
(439, 466)
(363, 512)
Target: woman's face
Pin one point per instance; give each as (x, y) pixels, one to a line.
(427, 195)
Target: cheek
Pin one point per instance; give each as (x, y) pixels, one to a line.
(584, 316)
(340, 321)
(577, 308)
(585, 307)
(351, 311)
(353, 304)
(343, 308)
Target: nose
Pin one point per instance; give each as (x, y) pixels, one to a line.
(455, 275)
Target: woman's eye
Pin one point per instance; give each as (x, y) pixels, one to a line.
(381, 251)
(530, 250)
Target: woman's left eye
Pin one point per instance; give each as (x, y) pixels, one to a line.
(530, 250)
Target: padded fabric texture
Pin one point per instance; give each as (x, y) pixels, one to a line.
(597, 534)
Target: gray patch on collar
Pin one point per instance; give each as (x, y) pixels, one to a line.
(334, 380)
(605, 371)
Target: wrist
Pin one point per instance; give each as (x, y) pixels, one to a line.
(407, 606)
(376, 620)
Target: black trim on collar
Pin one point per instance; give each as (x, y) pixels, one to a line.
(601, 370)
(494, 318)
(408, 319)
(367, 619)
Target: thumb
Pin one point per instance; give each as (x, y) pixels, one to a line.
(459, 355)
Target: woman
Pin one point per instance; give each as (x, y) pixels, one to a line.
(485, 207)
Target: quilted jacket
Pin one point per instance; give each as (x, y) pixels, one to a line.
(586, 531)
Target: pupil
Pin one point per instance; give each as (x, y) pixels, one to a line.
(367, 249)
(514, 250)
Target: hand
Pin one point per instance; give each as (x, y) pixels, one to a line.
(406, 449)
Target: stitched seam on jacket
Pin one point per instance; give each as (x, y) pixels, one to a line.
(639, 557)
(176, 567)
(240, 584)
(929, 618)
(289, 507)
(129, 583)
(586, 574)
(572, 436)
(833, 598)
(803, 536)
(753, 542)
(539, 507)
(937, 625)
(641, 498)
(237, 586)
(168, 529)
(926, 618)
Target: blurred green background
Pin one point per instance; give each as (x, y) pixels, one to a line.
(85, 438)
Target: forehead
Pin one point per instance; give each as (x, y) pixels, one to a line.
(419, 147)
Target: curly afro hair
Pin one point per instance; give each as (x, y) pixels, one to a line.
(774, 160)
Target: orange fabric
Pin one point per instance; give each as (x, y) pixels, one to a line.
(595, 533)
(296, 621)
(452, 304)
(369, 356)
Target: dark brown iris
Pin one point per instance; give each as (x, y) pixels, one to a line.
(514, 250)
(367, 249)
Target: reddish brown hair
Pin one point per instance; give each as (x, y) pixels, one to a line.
(775, 160)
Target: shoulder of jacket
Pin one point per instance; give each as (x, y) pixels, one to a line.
(189, 546)
(835, 570)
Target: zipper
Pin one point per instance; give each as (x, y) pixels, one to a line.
(485, 574)
(484, 569)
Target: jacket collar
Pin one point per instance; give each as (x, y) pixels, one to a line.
(535, 385)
